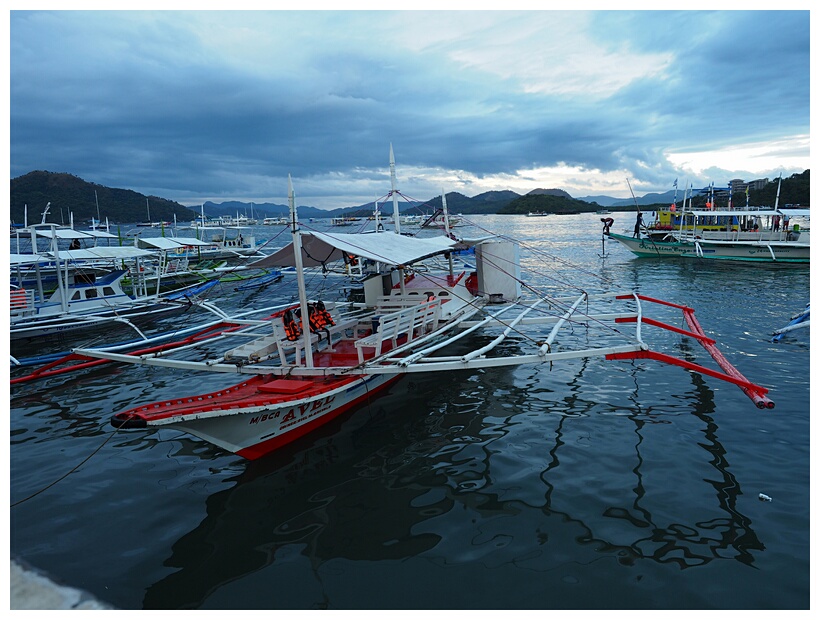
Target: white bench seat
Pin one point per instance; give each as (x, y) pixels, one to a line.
(263, 347)
(409, 322)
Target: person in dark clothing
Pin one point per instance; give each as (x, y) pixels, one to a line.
(638, 224)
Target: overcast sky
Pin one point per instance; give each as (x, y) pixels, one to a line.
(195, 106)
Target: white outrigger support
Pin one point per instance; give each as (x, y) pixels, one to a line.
(416, 356)
(421, 362)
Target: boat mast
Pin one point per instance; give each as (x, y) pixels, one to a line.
(376, 214)
(62, 270)
(300, 276)
(777, 198)
(396, 219)
(444, 213)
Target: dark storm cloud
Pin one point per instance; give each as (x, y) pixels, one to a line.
(196, 106)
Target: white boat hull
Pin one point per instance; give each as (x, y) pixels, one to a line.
(751, 251)
(255, 430)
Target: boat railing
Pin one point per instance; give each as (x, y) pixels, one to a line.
(405, 324)
(740, 236)
(21, 302)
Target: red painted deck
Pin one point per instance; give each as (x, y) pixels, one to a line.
(256, 391)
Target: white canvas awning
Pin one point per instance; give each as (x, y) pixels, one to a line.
(735, 212)
(100, 234)
(64, 233)
(387, 247)
(27, 259)
(158, 243)
(795, 212)
(170, 243)
(97, 253)
(189, 241)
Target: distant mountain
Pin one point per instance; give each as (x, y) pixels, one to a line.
(547, 203)
(648, 199)
(604, 201)
(69, 195)
(496, 196)
(255, 209)
(549, 192)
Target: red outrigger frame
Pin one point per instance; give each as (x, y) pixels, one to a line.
(731, 374)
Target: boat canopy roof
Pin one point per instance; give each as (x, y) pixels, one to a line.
(100, 234)
(794, 212)
(102, 252)
(386, 247)
(27, 259)
(65, 233)
(190, 241)
(736, 212)
(170, 243)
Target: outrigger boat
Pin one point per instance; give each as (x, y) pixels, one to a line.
(746, 234)
(403, 320)
(749, 234)
(84, 297)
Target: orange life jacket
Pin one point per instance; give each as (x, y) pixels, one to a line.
(292, 329)
(320, 317)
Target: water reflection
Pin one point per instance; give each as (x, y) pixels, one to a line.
(410, 479)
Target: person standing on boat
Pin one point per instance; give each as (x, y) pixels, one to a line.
(638, 224)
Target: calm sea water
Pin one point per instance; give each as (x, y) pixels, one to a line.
(590, 485)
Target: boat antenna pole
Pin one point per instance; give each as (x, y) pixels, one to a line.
(777, 198)
(635, 200)
(300, 275)
(651, 240)
(447, 229)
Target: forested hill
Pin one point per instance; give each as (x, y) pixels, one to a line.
(70, 194)
(546, 203)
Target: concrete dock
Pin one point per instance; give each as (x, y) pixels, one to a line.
(31, 589)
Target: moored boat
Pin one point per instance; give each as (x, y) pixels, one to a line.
(306, 363)
(801, 320)
(749, 235)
